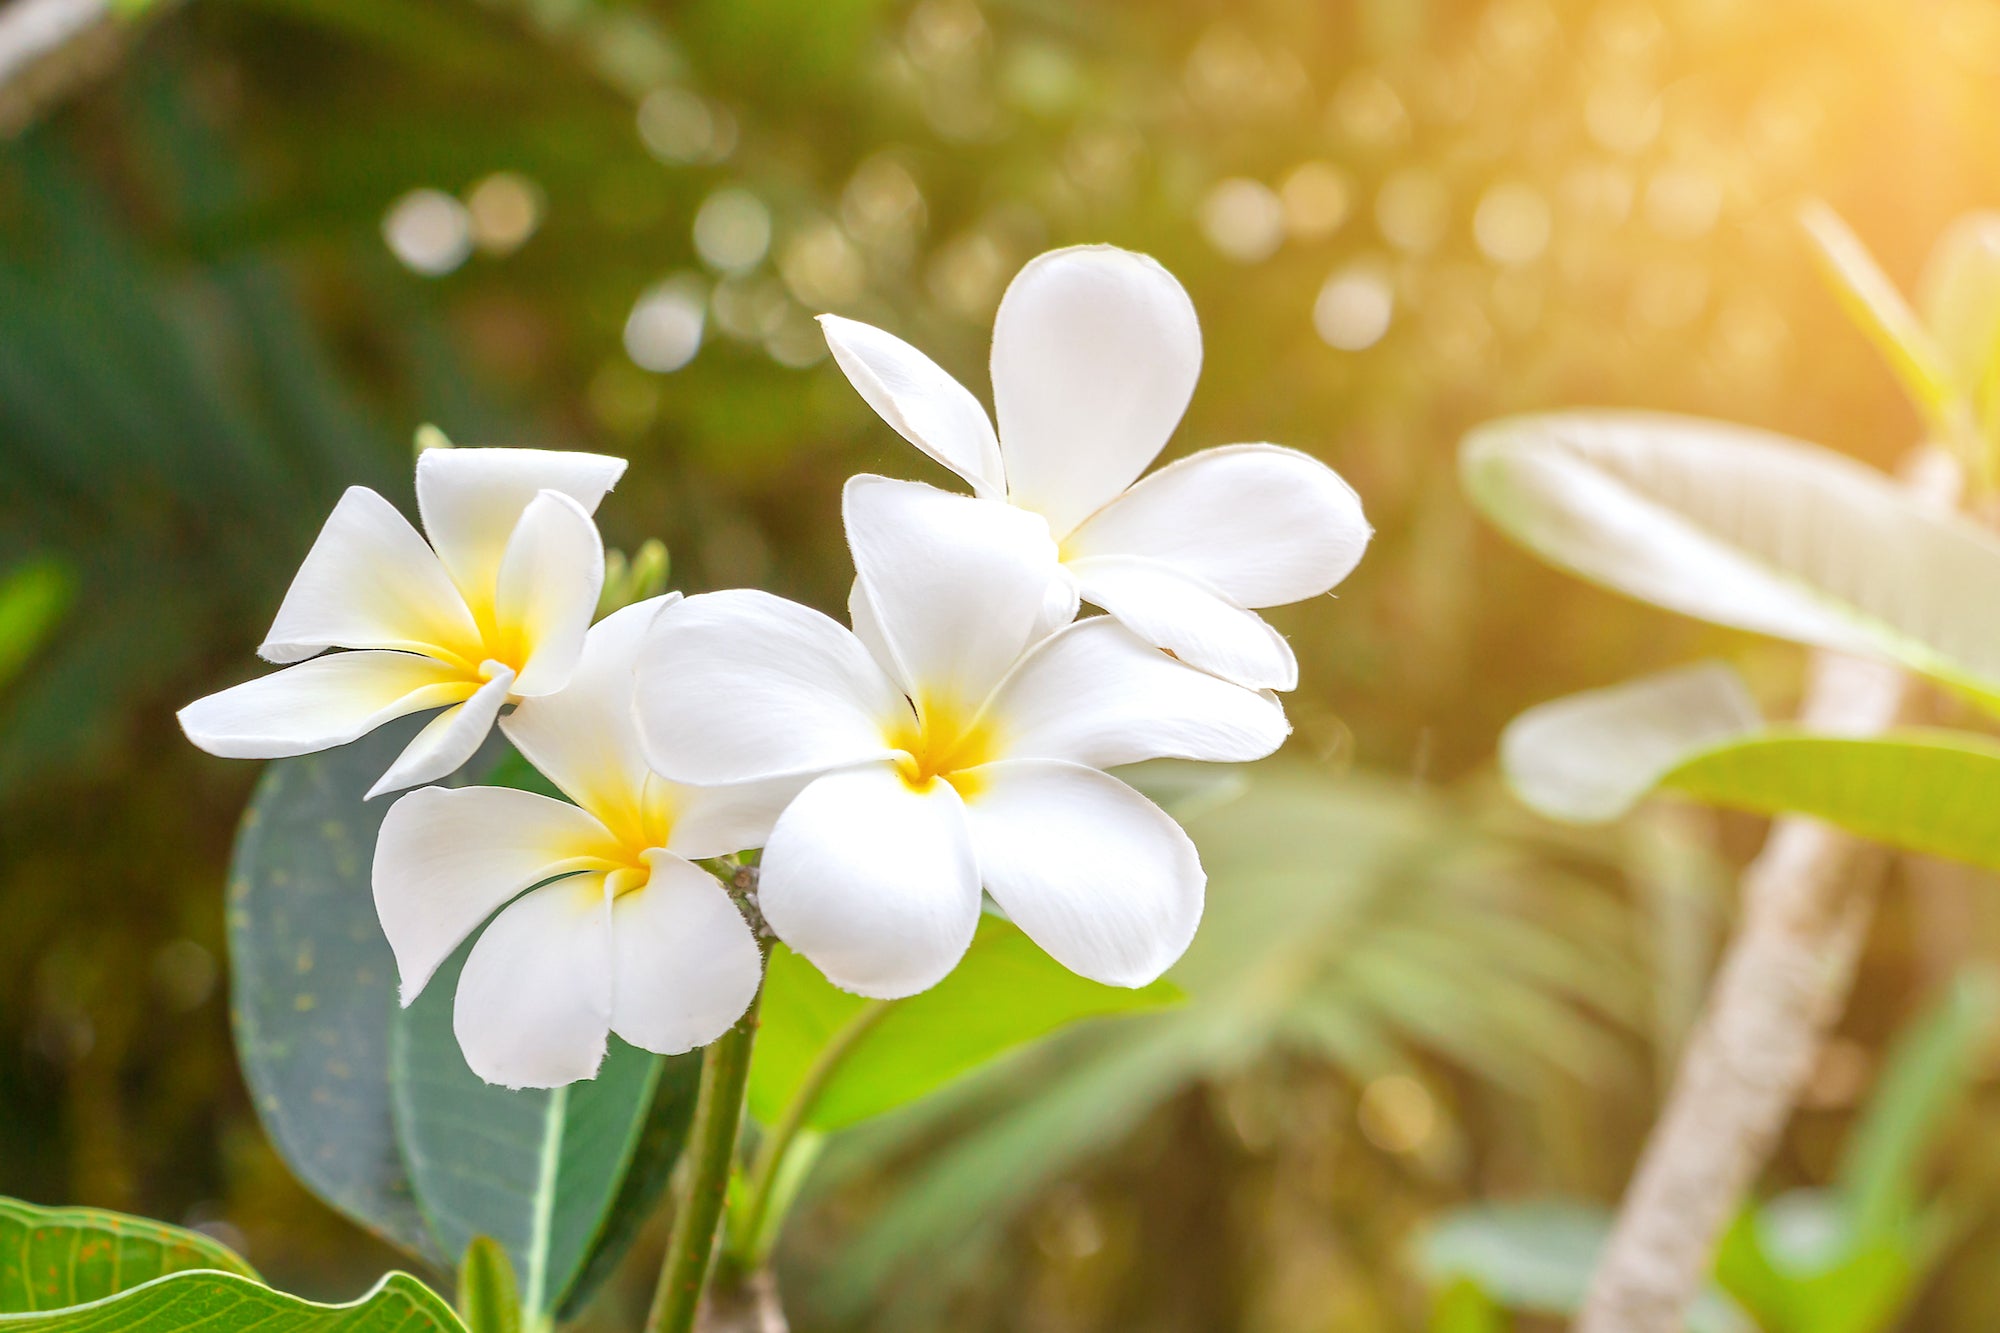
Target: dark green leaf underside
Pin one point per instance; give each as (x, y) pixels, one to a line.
(313, 981)
(539, 1171)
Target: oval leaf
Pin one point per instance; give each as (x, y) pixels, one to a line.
(69, 1256)
(1749, 530)
(544, 1173)
(313, 983)
(1005, 992)
(227, 1303)
(1922, 790)
(1588, 758)
(1591, 757)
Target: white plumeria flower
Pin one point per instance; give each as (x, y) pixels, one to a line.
(945, 753)
(625, 934)
(1095, 354)
(491, 611)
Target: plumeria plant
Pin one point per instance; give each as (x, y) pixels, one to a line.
(491, 1017)
(1885, 579)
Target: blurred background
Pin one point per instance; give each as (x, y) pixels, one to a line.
(248, 246)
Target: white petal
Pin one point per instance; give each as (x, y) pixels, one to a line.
(319, 704)
(447, 740)
(686, 963)
(369, 581)
(446, 858)
(715, 821)
(739, 686)
(925, 405)
(534, 1001)
(867, 624)
(547, 591)
(1263, 524)
(584, 737)
(1096, 694)
(1095, 354)
(471, 500)
(1094, 872)
(956, 584)
(1191, 619)
(1061, 600)
(873, 882)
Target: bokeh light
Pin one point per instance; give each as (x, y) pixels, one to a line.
(428, 230)
(664, 330)
(732, 229)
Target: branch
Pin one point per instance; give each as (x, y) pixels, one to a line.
(1807, 900)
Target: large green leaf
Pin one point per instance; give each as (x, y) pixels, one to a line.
(227, 1303)
(69, 1256)
(555, 1176)
(313, 983)
(1927, 791)
(1005, 992)
(1749, 530)
(1590, 757)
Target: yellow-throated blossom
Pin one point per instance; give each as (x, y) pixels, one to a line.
(952, 746)
(491, 610)
(1095, 354)
(624, 933)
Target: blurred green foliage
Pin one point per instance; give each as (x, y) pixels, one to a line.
(1395, 220)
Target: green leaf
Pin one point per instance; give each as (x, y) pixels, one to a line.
(1922, 790)
(1590, 757)
(542, 1172)
(1748, 530)
(1799, 1266)
(313, 983)
(69, 1256)
(33, 597)
(1463, 1308)
(227, 1303)
(1005, 992)
(489, 1300)
(1881, 312)
(1537, 1257)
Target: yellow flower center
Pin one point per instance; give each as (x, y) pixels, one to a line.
(942, 739)
(638, 824)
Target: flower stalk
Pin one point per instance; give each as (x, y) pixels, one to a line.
(711, 1153)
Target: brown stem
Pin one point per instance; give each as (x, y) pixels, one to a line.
(1807, 900)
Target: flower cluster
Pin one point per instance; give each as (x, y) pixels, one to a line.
(952, 745)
